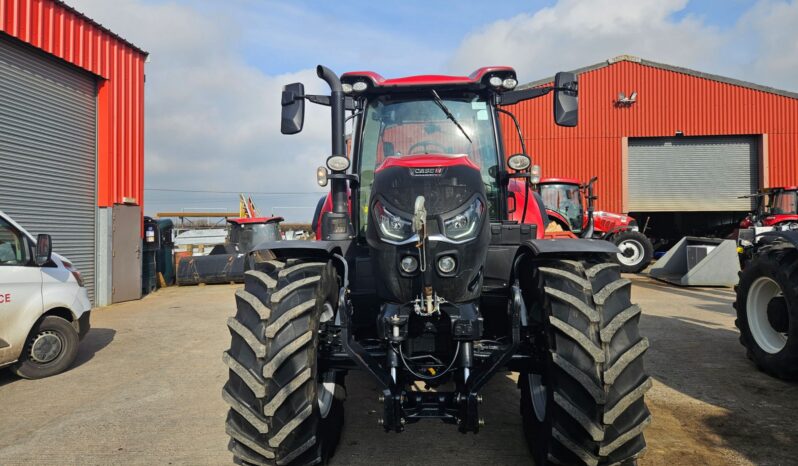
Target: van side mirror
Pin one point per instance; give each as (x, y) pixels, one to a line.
(44, 250)
(566, 105)
(293, 102)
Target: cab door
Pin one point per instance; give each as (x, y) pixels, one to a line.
(20, 291)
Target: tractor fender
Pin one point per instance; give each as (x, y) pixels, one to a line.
(302, 248)
(775, 236)
(564, 246)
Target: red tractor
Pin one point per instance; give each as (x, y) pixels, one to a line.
(776, 207)
(420, 278)
(565, 200)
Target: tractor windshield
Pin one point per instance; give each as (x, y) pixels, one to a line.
(566, 200)
(398, 126)
(784, 202)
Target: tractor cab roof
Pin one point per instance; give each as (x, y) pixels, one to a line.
(572, 181)
(478, 80)
(252, 220)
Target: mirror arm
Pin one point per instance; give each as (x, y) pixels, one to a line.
(517, 128)
(513, 97)
(349, 103)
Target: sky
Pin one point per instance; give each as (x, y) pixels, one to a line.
(216, 70)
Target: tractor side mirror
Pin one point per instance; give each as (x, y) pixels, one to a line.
(566, 105)
(44, 250)
(293, 102)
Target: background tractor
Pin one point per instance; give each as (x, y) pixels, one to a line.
(774, 207)
(767, 304)
(570, 204)
(225, 263)
(424, 275)
(776, 210)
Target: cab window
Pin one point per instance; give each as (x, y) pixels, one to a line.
(13, 249)
(399, 126)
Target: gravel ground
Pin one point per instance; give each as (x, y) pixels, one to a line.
(146, 390)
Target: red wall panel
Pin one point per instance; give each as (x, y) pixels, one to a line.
(61, 31)
(668, 101)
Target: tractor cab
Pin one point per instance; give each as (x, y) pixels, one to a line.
(563, 198)
(247, 232)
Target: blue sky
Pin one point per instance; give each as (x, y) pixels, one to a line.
(217, 68)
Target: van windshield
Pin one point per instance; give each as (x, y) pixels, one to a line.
(399, 126)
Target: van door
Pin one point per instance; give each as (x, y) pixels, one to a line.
(20, 291)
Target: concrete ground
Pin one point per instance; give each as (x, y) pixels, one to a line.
(145, 389)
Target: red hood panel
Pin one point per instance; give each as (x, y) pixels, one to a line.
(427, 161)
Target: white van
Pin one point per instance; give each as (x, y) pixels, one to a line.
(44, 308)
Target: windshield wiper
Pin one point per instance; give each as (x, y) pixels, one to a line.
(449, 115)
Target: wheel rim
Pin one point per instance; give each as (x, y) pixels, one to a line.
(762, 291)
(46, 347)
(632, 252)
(325, 390)
(539, 394)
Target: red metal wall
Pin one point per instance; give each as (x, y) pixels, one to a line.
(61, 31)
(668, 101)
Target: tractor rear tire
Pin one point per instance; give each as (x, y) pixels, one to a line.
(636, 251)
(587, 407)
(767, 310)
(283, 410)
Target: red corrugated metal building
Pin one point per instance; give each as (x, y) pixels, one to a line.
(74, 118)
(668, 144)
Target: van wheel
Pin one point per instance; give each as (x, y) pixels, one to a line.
(51, 348)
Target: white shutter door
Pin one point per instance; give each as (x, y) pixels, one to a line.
(48, 151)
(692, 174)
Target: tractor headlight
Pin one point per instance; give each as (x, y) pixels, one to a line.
(391, 227)
(633, 226)
(464, 225)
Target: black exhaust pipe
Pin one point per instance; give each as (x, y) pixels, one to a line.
(336, 225)
(338, 185)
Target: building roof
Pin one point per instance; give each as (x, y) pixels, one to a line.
(103, 28)
(675, 69)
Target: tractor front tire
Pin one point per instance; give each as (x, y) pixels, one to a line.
(767, 310)
(587, 406)
(636, 251)
(283, 410)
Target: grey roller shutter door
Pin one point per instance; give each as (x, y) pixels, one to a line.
(48, 151)
(692, 174)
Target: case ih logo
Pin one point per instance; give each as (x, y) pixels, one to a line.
(433, 171)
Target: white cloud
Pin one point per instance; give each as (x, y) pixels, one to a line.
(769, 34)
(212, 120)
(573, 33)
(212, 97)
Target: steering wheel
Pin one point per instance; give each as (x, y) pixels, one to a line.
(424, 145)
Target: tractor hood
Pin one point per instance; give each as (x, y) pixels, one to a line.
(445, 181)
(608, 221)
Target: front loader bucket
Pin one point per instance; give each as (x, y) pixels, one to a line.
(213, 268)
(699, 262)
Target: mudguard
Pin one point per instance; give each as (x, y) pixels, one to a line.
(501, 258)
(303, 248)
(772, 236)
(559, 246)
